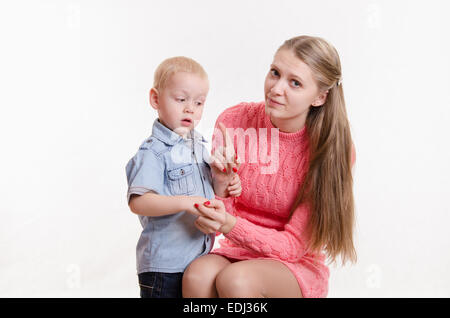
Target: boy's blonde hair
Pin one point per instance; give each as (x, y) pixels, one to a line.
(175, 65)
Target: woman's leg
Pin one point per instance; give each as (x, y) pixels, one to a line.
(200, 277)
(257, 278)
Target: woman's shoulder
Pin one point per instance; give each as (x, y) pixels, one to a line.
(241, 112)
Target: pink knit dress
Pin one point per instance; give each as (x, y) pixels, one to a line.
(263, 229)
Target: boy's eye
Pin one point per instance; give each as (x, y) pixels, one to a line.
(296, 83)
(181, 99)
(199, 103)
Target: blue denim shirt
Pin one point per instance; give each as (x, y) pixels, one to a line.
(168, 164)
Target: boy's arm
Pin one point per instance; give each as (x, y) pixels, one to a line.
(152, 204)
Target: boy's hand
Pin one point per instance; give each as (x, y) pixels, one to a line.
(235, 188)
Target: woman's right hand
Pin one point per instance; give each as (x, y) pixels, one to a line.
(188, 204)
(224, 158)
(214, 218)
(224, 164)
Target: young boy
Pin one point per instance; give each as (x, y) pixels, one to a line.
(168, 175)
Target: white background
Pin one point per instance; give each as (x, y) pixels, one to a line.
(74, 79)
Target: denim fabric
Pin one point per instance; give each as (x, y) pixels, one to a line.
(160, 285)
(168, 164)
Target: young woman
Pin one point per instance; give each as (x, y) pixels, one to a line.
(280, 231)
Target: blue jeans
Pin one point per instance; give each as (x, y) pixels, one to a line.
(160, 285)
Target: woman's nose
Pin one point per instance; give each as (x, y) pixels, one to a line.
(277, 88)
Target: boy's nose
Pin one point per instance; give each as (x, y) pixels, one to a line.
(189, 108)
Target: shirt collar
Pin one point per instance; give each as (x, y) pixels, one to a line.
(169, 137)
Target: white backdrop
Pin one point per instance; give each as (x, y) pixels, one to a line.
(74, 79)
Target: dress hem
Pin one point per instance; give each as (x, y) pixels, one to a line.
(303, 289)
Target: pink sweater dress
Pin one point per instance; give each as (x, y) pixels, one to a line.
(263, 229)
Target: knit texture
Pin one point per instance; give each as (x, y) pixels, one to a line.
(263, 229)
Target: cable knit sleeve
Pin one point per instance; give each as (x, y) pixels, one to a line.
(288, 244)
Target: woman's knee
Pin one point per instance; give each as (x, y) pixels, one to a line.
(193, 276)
(236, 280)
(199, 277)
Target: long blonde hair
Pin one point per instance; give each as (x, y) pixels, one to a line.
(328, 184)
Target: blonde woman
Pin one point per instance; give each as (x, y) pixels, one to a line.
(286, 223)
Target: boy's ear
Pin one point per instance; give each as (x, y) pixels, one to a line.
(154, 98)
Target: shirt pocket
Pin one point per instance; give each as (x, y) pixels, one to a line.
(181, 180)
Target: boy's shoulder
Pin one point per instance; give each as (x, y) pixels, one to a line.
(153, 145)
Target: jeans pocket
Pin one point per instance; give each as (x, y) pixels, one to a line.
(147, 284)
(146, 291)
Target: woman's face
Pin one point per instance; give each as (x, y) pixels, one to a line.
(290, 90)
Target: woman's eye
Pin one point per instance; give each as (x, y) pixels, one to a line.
(199, 103)
(274, 72)
(181, 99)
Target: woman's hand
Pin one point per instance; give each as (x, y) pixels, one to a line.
(214, 218)
(224, 158)
(224, 166)
(187, 203)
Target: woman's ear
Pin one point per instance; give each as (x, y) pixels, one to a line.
(154, 98)
(321, 99)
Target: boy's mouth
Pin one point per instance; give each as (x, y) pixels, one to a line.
(186, 122)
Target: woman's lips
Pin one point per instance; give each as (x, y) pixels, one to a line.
(274, 103)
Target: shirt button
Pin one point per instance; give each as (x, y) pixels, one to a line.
(182, 172)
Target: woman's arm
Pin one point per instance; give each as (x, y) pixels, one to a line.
(288, 244)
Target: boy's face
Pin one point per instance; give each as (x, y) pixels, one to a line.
(180, 103)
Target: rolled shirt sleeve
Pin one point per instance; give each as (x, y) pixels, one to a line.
(145, 173)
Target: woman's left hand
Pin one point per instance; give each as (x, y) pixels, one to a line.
(213, 217)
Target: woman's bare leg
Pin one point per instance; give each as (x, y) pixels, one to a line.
(199, 279)
(257, 278)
